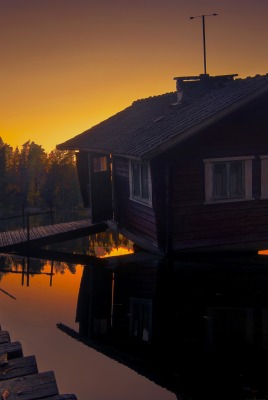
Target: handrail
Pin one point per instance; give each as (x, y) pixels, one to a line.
(28, 215)
(11, 217)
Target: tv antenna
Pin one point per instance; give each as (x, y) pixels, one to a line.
(204, 36)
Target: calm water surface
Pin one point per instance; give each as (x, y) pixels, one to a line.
(197, 328)
(31, 318)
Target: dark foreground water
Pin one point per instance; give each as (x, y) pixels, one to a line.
(144, 328)
(32, 318)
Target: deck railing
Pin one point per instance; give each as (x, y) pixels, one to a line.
(25, 218)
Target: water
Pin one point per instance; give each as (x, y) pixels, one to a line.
(32, 319)
(147, 328)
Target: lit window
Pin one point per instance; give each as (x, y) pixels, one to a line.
(228, 179)
(100, 164)
(140, 182)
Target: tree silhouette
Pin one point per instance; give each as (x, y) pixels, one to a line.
(29, 177)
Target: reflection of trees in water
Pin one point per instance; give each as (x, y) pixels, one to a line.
(97, 245)
(103, 243)
(2, 274)
(61, 267)
(33, 266)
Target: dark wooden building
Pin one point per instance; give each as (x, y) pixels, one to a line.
(183, 171)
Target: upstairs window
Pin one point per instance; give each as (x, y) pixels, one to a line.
(228, 179)
(140, 182)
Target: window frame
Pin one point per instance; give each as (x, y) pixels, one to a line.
(209, 177)
(139, 198)
(100, 164)
(264, 177)
(141, 311)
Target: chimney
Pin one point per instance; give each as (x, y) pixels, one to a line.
(204, 82)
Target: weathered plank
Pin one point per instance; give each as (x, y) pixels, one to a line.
(49, 234)
(19, 378)
(18, 367)
(13, 349)
(31, 387)
(4, 337)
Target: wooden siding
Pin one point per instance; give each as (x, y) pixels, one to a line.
(132, 216)
(245, 223)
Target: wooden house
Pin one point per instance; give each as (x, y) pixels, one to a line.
(183, 171)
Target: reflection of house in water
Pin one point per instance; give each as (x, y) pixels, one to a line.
(195, 327)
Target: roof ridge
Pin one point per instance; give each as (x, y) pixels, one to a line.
(157, 96)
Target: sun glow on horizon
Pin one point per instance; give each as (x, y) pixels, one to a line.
(91, 61)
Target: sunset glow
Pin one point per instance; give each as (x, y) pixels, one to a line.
(68, 64)
(119, 251)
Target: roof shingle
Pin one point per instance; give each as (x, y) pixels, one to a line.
(153, 125)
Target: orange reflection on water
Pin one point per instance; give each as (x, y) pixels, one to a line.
(118, 251)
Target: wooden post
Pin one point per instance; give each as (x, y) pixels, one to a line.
(28, 226)
(23, 217)
(28, 271)
(52, 217)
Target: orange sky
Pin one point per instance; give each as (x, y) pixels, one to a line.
(68, 64)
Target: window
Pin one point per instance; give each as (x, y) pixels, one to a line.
(140, 182)
(100, 164)
(228, 179)
(141, 319)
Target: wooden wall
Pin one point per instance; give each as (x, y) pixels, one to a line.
(130, 215)
(195, 224)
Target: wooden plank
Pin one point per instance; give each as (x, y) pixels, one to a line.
(18, 367)
(5, 239)
(42, 231)
(15, 236)
(31, 387)
(32, 234)
(4, 337)
(9, 237)
(50, 233)
(12, 349)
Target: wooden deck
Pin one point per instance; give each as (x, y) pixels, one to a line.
(43, 235)
(19, 376)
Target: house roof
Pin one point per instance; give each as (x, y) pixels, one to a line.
(153, 125)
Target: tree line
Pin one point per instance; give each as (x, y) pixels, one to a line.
(32, 178)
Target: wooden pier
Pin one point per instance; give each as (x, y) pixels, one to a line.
(19, 376)
(43, 235)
